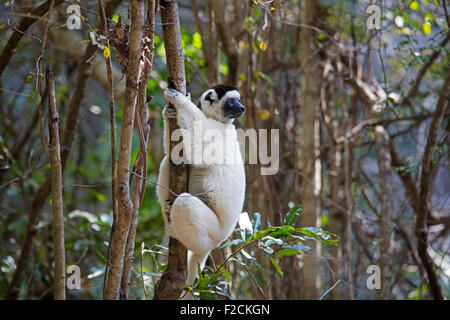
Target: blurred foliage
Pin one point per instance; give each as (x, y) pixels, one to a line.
(413, 26)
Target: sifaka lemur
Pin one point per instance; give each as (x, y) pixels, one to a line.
(205, 216)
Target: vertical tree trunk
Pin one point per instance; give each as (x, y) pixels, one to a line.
(386, 192)
(140, 165)
(125, 206)
(112, 123)
(421, 230)
(337, 215)
(348, 219)
(309, 131)
(173, 280)
(57, 190)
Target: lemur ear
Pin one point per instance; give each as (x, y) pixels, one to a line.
(211, 97)
(208, 97)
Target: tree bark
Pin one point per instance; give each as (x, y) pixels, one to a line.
(112, 123)
(172, 282)
(125, 206)
(228, 45)
(309, 131)
(423, 205)
(57, 190)
(386, 192)
(140, 165)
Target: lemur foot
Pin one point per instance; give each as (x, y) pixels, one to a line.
(169, 112)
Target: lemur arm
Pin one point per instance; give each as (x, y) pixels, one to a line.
(186, 111)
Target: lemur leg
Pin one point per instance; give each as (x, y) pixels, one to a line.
(194, 224)
(197, 227)
(194, 261)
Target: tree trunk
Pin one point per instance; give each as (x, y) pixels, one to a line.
(57, 190)
(386, 192)
(172, 282)
(309, 131)
(140, 165)
(421, 230)
(125, 206)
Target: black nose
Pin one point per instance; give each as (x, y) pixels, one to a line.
(233, 108)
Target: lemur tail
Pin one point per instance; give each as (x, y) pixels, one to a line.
(194, 260)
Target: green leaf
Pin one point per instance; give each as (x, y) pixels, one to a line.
(299, 247)
(280, 272)
(231, 243)
(282, 231)
(426, 27)
(268, 241)
(319, 234)
(292, 215)
(262, 233)
(287, 252)
(98, 195)
(248, 256)
(414, 5)
(226, 274)
(197, 40)
(256, 221)
(268, 250)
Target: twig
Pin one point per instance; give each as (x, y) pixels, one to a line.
(57, 190)
(329, 290)
(425, 189)
(112, 123)
(25, 176)
(142, 272)
(39, 76)
(125, 205)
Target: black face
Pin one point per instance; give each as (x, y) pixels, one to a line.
(233, 108)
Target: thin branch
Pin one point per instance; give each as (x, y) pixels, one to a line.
(423, 205)
(143, 125)
(112, 123)
(125, 205)
(57, 190)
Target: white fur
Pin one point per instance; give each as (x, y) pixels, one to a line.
(206, 216)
